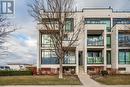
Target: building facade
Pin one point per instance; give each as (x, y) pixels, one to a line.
(104, 43)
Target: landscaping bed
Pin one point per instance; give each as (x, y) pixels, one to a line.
(15, 73)
(39, 80)
(113, 79)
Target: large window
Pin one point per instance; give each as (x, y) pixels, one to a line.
(105, 21)
(46, 41)
(124, 40)
(69, 27)
(95, 57)
(96, 40)
(121, 21)
(124, 56)
(70, 58)
(49, 57)
(108, 41)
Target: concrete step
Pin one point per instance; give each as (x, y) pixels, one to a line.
(81, 70)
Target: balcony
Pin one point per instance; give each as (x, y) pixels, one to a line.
(70, 60)
(95, 41)
(124, 44)
(124, 40)
(54, 60)
(95, 60)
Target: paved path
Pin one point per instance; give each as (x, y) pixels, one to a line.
(88, 82)
(84, 78)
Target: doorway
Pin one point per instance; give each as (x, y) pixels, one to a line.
(80, 57)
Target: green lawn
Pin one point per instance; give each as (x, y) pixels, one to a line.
(114, 80)
(39, 80)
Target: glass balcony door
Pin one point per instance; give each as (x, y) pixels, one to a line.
(95, 58)
(46, 41)
(124, 40)
(95, 41)
(124, 56)
(70, 58)
(50, 57)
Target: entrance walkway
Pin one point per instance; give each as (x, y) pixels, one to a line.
(88, 82)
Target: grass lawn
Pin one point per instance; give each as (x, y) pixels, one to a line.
(114, 80)
(39, 80)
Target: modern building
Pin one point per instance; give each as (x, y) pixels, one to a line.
(18, 66)
(104, 43)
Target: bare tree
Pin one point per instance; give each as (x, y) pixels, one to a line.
(53, 15)
(5, 30)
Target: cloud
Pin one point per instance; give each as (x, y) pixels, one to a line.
(22, 48)
(115, 4)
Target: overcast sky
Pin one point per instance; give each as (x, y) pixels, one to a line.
(22, 44)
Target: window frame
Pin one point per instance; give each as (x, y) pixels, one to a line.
(71, 26)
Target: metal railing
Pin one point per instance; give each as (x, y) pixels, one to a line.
(99, 42)
(95, 60)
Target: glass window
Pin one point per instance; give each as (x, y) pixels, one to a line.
(90, 54)
(127, 57)
(69, 27)
(70, 58)
(121, 57)
(49, 57)
(96, 40)
(108, 57)
(124, 56)
(94, 57)
(124, 40)
(108, 41)
(46, 41)
(106, 21)
(121, 21)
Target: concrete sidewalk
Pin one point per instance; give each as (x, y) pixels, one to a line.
(88, 82)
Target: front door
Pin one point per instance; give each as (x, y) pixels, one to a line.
(80, 55)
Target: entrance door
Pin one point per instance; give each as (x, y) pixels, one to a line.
(80, 55)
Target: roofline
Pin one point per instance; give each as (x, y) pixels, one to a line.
(97, 8)
(100, 8)
(109, 8)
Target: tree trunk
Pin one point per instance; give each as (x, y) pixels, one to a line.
(61, 68)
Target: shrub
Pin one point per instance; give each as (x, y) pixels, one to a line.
(15, 73)
(104, 73)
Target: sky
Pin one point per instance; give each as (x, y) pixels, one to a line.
(22, 44)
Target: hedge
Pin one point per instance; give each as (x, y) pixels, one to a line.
(15, 73)
(104, 73)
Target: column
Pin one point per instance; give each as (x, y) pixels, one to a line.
(85, 51)
(38, 51)
(77, 61)
(104, 53)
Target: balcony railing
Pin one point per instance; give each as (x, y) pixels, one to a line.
(95, 60)
(124, 43)
(47, 46)
(55, 60)
(97, 42)
(70, 60)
